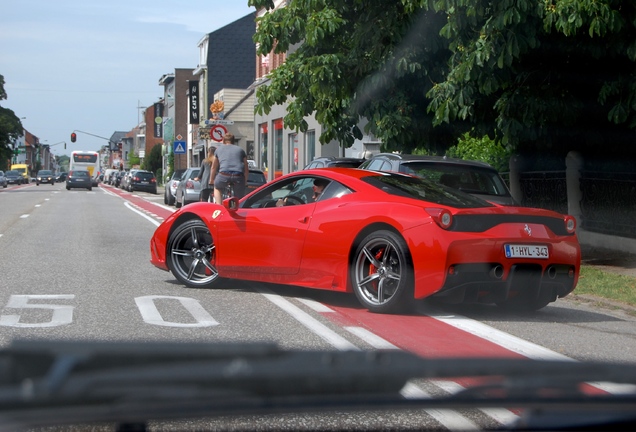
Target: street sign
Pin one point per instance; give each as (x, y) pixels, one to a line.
(218, 132)
(219, 122)
(179, 147)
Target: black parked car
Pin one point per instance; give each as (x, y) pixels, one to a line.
(117, 179)
(473, 177)
(332, 162)
(142, 181)
(61, 177)
(255, 179)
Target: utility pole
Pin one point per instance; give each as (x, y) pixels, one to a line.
(139, 107)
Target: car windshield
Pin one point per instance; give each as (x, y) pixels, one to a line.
(256, 177)
(44, 172)
(145, 175)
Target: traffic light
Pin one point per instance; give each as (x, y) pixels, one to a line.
(73, 137)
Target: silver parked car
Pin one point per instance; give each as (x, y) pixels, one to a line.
(171, 187)
(3, 180)
(188, 190)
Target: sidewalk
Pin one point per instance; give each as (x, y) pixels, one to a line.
(609, 260)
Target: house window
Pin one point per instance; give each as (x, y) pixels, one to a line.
(293, 152)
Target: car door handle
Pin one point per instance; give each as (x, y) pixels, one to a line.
(303, 219)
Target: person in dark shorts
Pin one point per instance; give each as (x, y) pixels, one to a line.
(229, 167)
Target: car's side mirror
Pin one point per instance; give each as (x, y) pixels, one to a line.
(231, 203)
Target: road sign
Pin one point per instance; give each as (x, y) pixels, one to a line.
(179, 147)
(218, 132)
(219, 122)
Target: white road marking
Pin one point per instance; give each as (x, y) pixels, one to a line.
(318, 328)
(449, 418)
(132, 207)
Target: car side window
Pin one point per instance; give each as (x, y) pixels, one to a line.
(334, 190)
(376, 165)
(296, 191)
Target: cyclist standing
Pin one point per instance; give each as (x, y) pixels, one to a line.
(229, 167)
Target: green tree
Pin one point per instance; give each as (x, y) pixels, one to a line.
(10, 128)
(353, 59)
(550, 75)
(153, 161)
(560, 74)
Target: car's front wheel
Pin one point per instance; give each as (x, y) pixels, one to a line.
(382, 273)
(191, 254)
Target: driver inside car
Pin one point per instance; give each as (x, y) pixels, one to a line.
(318, 188)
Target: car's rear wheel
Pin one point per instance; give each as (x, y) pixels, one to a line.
(191, 254)
(382, 273)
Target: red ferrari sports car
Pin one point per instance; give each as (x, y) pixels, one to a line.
(390, 238)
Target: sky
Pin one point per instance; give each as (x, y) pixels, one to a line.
(87, 65)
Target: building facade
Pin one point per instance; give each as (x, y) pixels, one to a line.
(280, 150)
(226, 70)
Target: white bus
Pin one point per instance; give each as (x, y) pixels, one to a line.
(86, 160)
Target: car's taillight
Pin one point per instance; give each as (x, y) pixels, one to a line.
(153, 180)
(442, 217)
(570, 224)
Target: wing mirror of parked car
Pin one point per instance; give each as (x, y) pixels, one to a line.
(231, 203)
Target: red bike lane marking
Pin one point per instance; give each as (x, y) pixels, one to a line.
(419, 334)
(429, 337)
(153, 209)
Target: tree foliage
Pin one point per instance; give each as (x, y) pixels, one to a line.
(560, 72)
(550, 75)
(154, 160)
(10, 125)
(353, 59)
(483, 149)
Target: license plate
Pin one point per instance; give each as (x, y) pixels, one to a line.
(144, 183)
(526, 251)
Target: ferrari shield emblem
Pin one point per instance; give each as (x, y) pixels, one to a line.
(216, 214)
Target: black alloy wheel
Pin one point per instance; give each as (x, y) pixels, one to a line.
(382, 273)
(191, 255)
